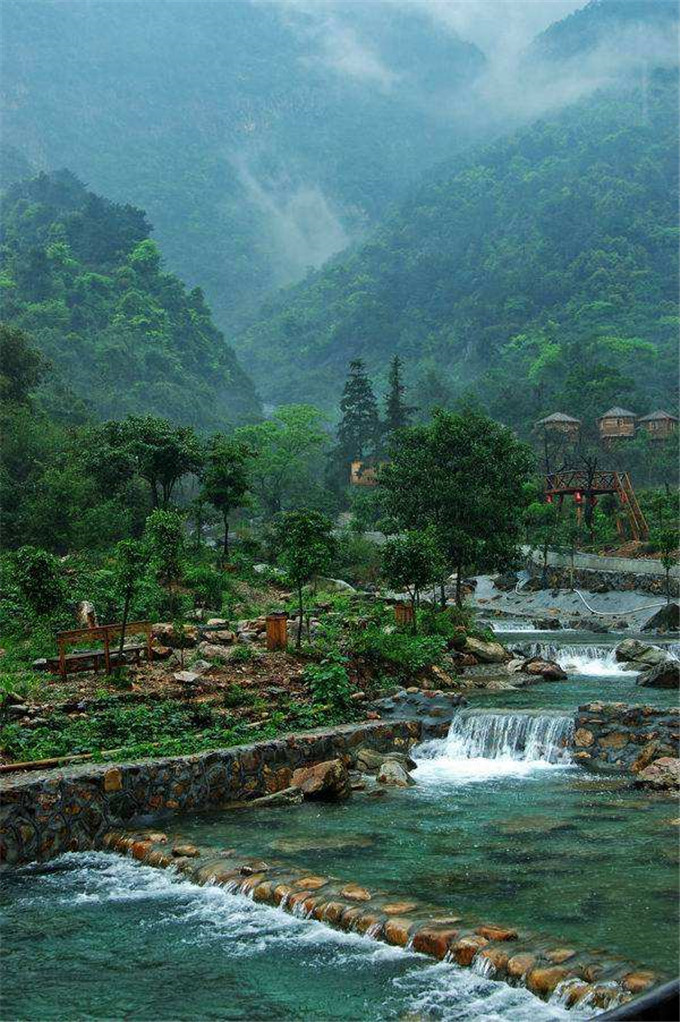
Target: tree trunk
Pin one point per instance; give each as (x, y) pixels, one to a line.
(442, 595)
(414, 602)
(668, 587)
(225, 545)
(545, 565)
(126, 611)
(298, 641)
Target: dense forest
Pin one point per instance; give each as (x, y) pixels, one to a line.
(121, 335)
(261, 141)
(550, 254)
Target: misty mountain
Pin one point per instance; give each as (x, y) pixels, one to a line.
(261, 138)
(551, 253)
(82, 277)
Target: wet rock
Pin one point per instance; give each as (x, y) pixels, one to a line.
(493, 932)
(399, 908)
(651, 751)
(394, 774)
(520, 965)
(370, 761)
(664, 675)
(328, 780)
(311, 883)
(397, 931)
(547, 624)
(543, 981)
(636, 982)
(641, 654)
(354, 892)
(485, 652)
(434, 940)
(665, 620)
(545, 669)
(583, 737)
(291, 796)
(465, 949)
(497, 958)
(559, 955)
(185, 851)
(662, 775)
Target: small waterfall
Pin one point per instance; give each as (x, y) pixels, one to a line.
(577, 659)
(522, 736)
(483, 743)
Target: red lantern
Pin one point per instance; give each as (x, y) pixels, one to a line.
(578, 497)
(549, 499)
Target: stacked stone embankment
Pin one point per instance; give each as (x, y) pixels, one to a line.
(626, 737)
(43, 815)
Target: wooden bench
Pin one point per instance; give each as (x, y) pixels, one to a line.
(109, 655)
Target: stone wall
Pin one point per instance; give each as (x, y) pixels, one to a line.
(620, 735)
(45, 814)
(606, 581)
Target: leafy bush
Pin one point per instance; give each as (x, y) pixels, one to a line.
(409, 652)
(206, 584)
(39, 578)
(329, 682)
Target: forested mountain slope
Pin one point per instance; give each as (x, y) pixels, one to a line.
(259, 137)
(82, 277)
(548, 254)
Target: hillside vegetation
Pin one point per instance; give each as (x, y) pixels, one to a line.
(551, 254)
(122, 335)
(259, 137)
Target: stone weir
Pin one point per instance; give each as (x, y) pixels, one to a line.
(43, 815)
(573, 978)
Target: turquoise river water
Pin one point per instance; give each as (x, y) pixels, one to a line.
(500, 827)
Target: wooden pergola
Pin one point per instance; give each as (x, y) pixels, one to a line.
(586, 486)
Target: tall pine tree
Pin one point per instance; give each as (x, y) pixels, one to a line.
(397, 412)
(359, 427)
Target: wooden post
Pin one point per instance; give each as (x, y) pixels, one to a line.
(403, 613)
(148, 644)
(277, 632)
(107, 652)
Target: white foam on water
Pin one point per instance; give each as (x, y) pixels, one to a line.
(483, 744)
(450, 993)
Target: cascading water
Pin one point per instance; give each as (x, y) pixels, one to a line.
(585, 660)
(483, 743)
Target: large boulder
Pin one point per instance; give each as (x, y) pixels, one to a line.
(393, 773)
(545, 669)
(664, 675)
(168, 635)
(326, 781)
(665, 620)
(485, 652)
(641, 654)
(662, 775)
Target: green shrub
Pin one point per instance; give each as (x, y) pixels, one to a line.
(329, 682)
(39, 577)
(205, 584)
(357, 559)
(408, 652)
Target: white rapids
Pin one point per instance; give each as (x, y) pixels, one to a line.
(486, 743)
(586, 660)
